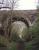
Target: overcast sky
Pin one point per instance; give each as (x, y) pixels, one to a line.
(27, 4)
(23, 4)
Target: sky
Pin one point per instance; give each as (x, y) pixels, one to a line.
(23, 4)
(27, 4)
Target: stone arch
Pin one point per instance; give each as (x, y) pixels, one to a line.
(19, 19)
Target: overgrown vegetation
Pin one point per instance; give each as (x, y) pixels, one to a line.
(32, 45)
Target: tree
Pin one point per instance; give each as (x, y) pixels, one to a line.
(13, 3)
(35, 34)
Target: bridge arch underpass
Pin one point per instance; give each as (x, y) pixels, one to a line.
(14, 19)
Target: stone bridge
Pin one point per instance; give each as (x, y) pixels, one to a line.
(8, 17)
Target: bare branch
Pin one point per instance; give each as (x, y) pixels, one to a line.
(13, 3)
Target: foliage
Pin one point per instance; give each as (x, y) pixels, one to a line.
(13, 46)
(35, 34)
(28, 46)
(4, 41)
(35, 28)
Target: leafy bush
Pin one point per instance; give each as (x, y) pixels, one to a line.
(3, 41)
(28, 46)
(35, 35)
